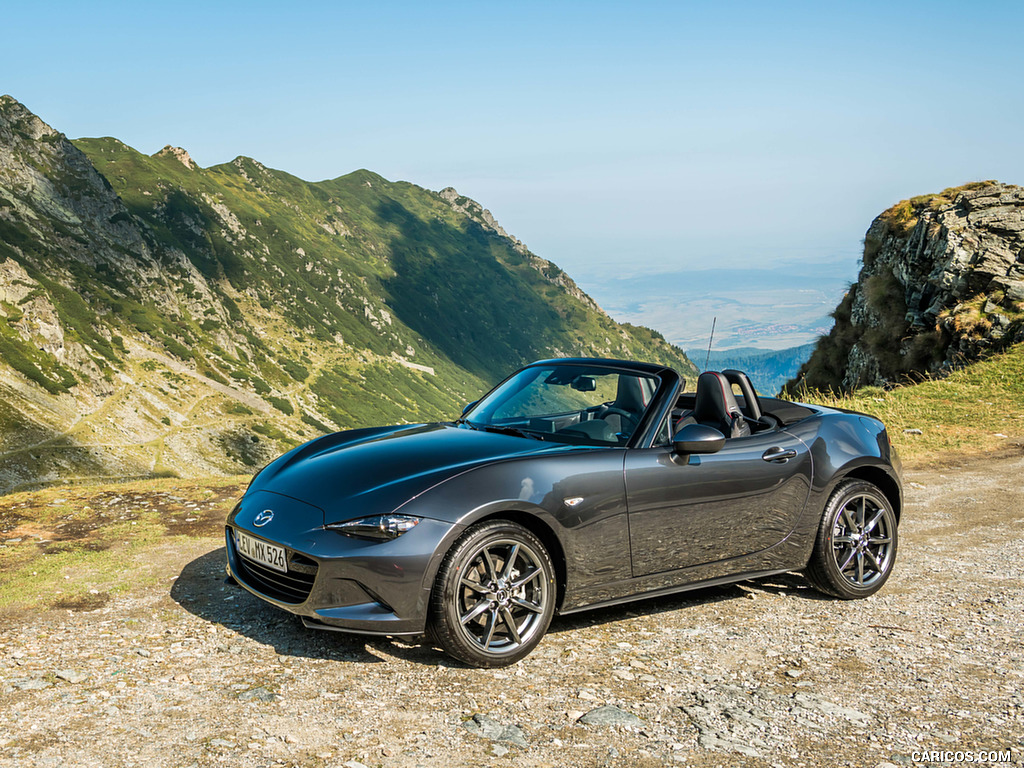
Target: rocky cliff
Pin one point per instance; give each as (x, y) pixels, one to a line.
(157, 317)
(942, 284)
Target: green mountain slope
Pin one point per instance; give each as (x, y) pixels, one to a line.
(161, 318)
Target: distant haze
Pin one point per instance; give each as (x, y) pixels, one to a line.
(764, 308)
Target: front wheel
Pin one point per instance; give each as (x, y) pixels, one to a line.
(494, 595)
(856, 544)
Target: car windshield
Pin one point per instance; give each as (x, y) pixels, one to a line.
(568, 403)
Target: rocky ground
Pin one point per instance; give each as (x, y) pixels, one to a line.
(187, 671)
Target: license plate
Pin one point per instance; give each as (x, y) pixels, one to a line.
(261, 551)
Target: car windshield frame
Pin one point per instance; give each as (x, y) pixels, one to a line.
(568, 402)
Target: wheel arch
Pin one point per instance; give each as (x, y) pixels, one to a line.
(879, 478)
(547, 536)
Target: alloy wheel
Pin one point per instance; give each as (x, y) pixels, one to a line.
(502, 595)
(862, 540)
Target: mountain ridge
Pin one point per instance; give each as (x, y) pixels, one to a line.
(148, 306)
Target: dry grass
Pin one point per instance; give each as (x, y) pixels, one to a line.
(966, 412)
(72, 547)
(902, 217)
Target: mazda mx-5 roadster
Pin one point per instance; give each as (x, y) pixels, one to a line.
(573, 484)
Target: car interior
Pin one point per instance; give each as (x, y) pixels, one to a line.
(725, 400)
(728, 402)
(613, 421)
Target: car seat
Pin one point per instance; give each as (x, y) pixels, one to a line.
(716, 407)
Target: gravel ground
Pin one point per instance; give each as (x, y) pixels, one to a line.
(192, 672)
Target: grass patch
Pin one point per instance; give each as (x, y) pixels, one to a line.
(269, 430)
(90, 566)
(76, 547)
(962, 413)
(296, 370)
(319, 426)
(36, 365)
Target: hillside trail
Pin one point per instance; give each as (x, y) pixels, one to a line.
(247, 398)
(185, 670)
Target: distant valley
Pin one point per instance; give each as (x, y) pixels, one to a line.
(769, 370)
(767, 309)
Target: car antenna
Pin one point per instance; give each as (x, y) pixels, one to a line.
(707, 360)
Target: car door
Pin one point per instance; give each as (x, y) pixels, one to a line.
(741, 500)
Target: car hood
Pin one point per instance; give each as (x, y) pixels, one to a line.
(374, 471)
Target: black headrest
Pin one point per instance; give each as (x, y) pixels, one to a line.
(750, 398)
(629, 395)
(715, 400)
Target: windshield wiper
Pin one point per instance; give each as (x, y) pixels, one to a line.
(506, 430)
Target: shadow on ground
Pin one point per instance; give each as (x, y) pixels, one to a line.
(788, 584)
(201, 589)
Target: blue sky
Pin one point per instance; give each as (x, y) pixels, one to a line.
(612, 138)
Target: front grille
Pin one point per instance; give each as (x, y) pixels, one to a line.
(291, 587)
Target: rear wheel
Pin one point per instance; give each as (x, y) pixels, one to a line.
(494, 595)
(857, 540)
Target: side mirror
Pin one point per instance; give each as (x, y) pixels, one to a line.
(697, 438)
(468, 406)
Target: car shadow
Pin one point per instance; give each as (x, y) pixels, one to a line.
(787, 584)
(201, 590)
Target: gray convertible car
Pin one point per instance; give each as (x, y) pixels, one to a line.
(573, 484)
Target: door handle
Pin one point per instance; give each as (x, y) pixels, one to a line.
(778, 455)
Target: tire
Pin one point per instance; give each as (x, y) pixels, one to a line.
(494, 595)
(855, 548)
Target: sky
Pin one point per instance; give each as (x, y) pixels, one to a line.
(619, 140)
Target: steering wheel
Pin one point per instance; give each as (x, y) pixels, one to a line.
(621, 412)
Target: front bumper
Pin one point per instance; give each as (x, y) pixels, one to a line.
(335, 581)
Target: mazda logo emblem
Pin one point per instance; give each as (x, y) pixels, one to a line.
(263, 518)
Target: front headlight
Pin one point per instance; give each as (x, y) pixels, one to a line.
(378, 527)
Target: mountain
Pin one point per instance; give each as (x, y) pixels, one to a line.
(768, 369)
(941, 284)
(161, 318)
